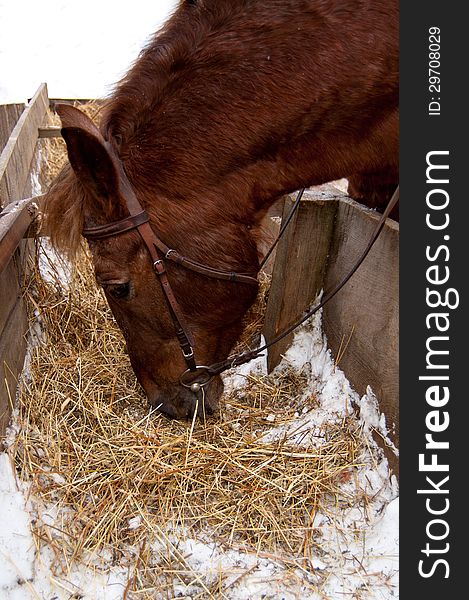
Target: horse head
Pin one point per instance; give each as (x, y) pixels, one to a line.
(230, 106)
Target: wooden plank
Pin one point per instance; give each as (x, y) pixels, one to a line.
(269, 230)
(15, 220)
(49, 132)
(9, 115)
(74, 101)
(12, 353)
(9, 291)
(300, 265)
(15, 183)
(365, 314)
(14, 324)
(16, 157)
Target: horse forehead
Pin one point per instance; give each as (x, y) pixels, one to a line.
(115, 254)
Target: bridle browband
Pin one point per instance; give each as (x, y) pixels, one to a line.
(137, 221)
(197, 376)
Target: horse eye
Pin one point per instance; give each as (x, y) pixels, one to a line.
(121, 291)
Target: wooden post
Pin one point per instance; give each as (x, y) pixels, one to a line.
(362, 322)
(270, 227)
(15, 166)
(300, 265)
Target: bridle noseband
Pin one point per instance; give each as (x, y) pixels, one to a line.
(196, 376)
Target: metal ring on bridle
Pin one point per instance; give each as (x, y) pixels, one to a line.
(195, 384)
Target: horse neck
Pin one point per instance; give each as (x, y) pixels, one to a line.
(243, 127)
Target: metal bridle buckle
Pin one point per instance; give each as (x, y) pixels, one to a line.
(190, 354)
(195, 384)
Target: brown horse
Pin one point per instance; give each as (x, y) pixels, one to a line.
(233, 104)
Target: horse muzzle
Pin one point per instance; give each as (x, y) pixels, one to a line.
(183, 401)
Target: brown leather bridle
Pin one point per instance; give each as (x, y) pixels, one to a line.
(159, 252)
(196, 376)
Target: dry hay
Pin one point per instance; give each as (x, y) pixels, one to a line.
(118, 473)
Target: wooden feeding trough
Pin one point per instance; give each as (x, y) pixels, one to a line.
(326, 236)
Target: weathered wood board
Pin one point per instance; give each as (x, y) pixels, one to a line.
(268, 232)
(300, 265)
(361, 322)
(16, 160)
(9, 291)
(17, 155)
(15, 220)
(9, 115)
(12, 352)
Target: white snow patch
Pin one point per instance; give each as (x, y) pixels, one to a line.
(238, 377)
(17, 549)
(373, 419)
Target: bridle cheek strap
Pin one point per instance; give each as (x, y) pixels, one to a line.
(183, 333)
(141, 222)
(159, 252)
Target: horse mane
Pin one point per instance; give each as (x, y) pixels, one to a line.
(169, 55)
(64, 212)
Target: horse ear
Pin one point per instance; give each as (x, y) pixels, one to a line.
(89, 155)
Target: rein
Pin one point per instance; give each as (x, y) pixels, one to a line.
(197, 376)
(240, 359)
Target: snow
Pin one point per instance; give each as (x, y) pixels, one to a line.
(16, 541)
(26, 572)
(236, 378)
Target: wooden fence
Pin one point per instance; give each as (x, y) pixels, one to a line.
(19, 126)
(326, 236)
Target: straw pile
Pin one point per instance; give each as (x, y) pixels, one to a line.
(117, 471)
(115, 474)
